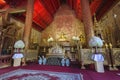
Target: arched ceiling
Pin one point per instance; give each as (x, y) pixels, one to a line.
(44, 10)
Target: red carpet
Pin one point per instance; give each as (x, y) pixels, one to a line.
(87, 74)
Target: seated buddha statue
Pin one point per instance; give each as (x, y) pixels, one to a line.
(62, 37)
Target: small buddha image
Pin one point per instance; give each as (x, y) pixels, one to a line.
(106, 45)
(62, 37)
(66, 54)
(110, 45)
(118, 44)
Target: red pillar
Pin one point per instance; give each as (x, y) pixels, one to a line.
(87, 19)
(28, 23)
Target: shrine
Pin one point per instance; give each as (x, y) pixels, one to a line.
(81, 34)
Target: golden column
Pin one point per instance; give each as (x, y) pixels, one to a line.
(28, 24)
(87, 19)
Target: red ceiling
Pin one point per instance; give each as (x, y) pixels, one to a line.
(44, 10)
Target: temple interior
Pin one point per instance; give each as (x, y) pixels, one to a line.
(58, 29)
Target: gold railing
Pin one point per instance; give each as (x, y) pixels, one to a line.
(5, 61)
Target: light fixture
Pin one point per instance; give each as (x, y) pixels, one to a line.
(115, 15)
(75, 38)
(50, 39)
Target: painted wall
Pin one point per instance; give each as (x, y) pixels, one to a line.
(65, 22)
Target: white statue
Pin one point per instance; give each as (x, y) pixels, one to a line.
(40, 60)
(63, 62)
(56, 50)
(67, 62)
(44, 60)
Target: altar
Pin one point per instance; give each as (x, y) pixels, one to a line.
(56, 51)
(55, 55)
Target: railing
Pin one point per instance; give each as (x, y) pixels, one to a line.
(5, 61)
(115, 52)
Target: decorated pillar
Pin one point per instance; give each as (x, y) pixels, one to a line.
(27, 28)
(111, 58)
(87, 19)
(108, 56)
(28, 24)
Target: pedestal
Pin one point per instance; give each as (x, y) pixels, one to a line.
(17, 59)
(55, 55)
(98, 58)
(99, 66)
(17, 62)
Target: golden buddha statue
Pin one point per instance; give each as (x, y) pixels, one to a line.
(62, 37)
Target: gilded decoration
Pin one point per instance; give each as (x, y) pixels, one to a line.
(34, 39)
(117, 56)
(64, 25)
(20, 27)
(110, 25)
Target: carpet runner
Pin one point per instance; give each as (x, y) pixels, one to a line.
(24, 74)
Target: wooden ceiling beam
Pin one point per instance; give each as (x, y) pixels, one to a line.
(94, 6)
(13, 10)
(105, 7)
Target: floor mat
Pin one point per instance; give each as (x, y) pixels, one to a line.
(24, 74)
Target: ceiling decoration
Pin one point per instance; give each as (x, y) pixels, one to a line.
(44, 10)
